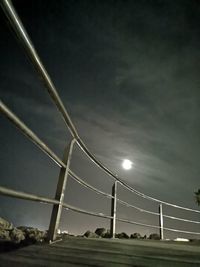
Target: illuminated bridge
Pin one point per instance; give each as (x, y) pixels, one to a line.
(122, 252)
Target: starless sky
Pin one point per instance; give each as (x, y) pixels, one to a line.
(128, 74)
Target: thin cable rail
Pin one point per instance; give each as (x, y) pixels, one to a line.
(135, 207)
(157, 227)
(37, 63)
(180, 219)
(82, 182)
(94, 189)
(27, 44)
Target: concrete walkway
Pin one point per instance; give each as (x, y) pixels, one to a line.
(104, 252)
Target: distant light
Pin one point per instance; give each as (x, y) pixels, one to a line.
(127, 164)
(181, 239)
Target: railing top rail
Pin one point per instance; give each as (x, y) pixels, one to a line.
(27, 44)
(37, 63)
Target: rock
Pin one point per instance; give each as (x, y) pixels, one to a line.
(100, 231)
(136, 236)
(17, 235)
(154, 236)
(90, 234)
(122, 235)
(11, 237)
(4, 235)
(5, 224)
(65, 236)
(107, 234)
(32, 235)
(197, 241)
(71, 235)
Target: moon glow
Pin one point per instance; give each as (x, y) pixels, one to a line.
(127, 164)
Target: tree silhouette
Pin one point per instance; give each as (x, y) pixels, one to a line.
(197, 197)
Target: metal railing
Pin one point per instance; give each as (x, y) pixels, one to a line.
(64, 164)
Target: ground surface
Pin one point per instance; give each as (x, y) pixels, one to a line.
(101, 252)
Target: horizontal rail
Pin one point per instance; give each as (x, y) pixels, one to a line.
(82, 182)
(180, 219)
(30, 134)
(36, 61)
(137, 223)
(180, 231)
(157, 227)
(26, 196)
(22, 195)
(135, 207)
(155, 199)
(101, 215)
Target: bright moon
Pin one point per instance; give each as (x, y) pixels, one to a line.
(127, 164)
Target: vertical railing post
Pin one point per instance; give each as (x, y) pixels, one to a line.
(60, 193)
(113, 210)
(161, 222)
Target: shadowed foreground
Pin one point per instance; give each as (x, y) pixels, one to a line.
(101, 252)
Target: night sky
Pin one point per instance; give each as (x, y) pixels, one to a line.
(128, 74)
